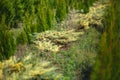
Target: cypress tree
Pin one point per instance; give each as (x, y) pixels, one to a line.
(107, 64)
(86, 6)
(22, 38)
(7, 41)
(27, 26)
(19, 12)
(60, 10)
(33, 20)
(42, 17)
(50, 17)
(7, 8)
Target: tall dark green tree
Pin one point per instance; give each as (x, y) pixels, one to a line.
(50, 17)
(60, 10)
(7, 41)
(107, 64)
(19, 12)
(22, 38)
(31, 16)
(7, 8)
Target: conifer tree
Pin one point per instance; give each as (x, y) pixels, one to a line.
(60, 10)
(7, 8)
(19, 12)
(22, 38)
(42, 17)
(7, 41)
(50, 17)
(33, 20)
(107, 64)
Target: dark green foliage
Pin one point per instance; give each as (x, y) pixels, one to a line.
(60, 10)
(75, 58)
(44, 11)
(86, 6)
(107, 64)
(7, 8)
(22, 38)
(42, 18)
(28, 24)
(7, 41)
(34, 15)
(19, 11)
(50, 17)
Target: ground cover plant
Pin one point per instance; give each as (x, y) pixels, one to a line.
(59, 39)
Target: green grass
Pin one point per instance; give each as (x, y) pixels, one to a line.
(75, 61)
(79, 57)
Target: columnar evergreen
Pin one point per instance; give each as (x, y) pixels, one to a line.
(107, 64)
(7, 41)
(60, 10)
(32, 16)
(15, 10)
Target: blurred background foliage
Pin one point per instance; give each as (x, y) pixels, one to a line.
(20, 19)
(107, 62)
(24, 17)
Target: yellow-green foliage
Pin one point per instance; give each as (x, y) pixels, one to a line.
(1, 66)
(94, 16)
(28, 68)
(54, 40)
